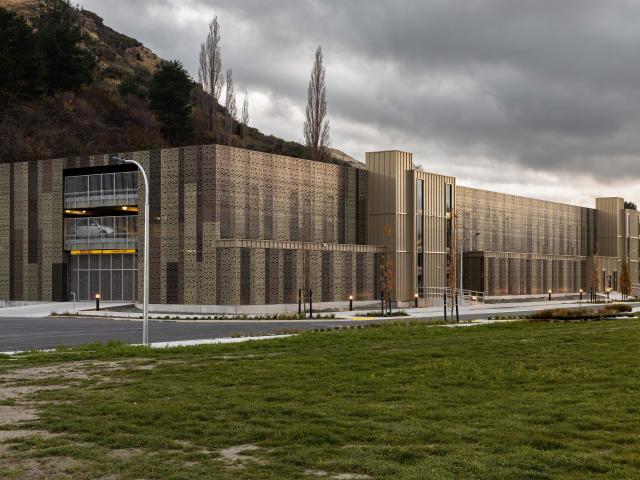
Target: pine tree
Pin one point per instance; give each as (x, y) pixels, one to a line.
(170, 95)
(21, 74)
(67, 66)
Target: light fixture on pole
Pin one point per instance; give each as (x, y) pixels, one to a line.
(145, 287)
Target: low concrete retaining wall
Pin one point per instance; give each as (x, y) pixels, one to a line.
(259, 309)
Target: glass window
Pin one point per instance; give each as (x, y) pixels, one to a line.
(132, 180)
(95, 185)
(420, 195)
(70, 185)
(448, 196)
(107, 184)
(420, 271)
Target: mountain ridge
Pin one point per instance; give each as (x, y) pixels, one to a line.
(100, 117)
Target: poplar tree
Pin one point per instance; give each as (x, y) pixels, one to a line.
(230, 106)
(210, 75)
(316, 125)
(244, 118)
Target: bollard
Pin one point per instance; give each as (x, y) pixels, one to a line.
(415, 300)
(97, 302)
(351, 303)
(549, 295)
(299, 301)
(580, 295)
(310, 304)
(457, 314)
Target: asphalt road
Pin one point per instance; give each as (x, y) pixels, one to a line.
(18, 334)
(27, 333)
(39, 333)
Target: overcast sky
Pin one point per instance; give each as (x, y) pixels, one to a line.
(531, 97)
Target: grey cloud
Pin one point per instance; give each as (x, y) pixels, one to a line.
(546, 86)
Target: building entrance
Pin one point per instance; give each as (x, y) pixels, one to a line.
(113, 276)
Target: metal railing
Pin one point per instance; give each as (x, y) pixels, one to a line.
(104, 233)
(102, 189)
(464, 295)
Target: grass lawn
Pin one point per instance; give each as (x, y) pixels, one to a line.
(505, 401)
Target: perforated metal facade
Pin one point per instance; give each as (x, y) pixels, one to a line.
(232, 226)
(522, 246)
(228, 226)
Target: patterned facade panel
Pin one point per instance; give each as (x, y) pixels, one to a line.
(270, 197)
(499, 273)
(533, 245)
(229, 276)
(5, 226)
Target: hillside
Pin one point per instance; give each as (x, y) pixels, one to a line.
(111, 113)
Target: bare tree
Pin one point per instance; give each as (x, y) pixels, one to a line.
(230, 105)
(386, 270)
(244, 118)
(316, 126)
(210, 75)
(625, 279)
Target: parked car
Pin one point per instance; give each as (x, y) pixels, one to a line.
(93, 229)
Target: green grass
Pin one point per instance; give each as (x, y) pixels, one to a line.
(510, 401)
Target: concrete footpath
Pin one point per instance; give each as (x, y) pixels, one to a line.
(39, 310)
(481, 310)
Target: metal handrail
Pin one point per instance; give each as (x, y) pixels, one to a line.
(471, 296)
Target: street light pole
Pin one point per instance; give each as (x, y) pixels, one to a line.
(145, 287)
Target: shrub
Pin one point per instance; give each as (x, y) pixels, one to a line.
(581, 313)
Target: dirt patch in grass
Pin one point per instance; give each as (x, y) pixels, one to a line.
(336, 476)
(12, 414)
(236, 456)
(125, 453)
(76, 370)
(13, 392)
(13, 434)
(17, 390)
(44, 468)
